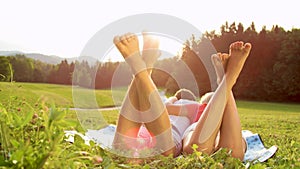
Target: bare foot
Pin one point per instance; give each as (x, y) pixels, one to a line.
(238, 53)
(220, 64)
(128, 45)
(224, 57)
(150, 49)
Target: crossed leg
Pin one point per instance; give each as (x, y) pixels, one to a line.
(221, 113)
(230, 130)
(142, 103)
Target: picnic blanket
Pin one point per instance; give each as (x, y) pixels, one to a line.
(256, 150)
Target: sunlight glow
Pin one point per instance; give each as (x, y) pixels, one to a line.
(168, 44)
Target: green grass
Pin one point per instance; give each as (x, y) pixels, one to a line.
(60, 95)
(271, 119)
(30, 146)
(278, 124)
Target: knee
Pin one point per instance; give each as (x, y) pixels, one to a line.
(206, 148)
(170, 152)
(238, 153)
(187, 149)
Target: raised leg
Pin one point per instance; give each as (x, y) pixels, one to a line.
(126, 128)
(131, 102)
(230, 131)
(151, 50)
(209, 124)
(150, 109)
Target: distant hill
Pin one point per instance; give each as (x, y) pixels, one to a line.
(35, 56)
(10, 53)
(44, 58)
(50, 59)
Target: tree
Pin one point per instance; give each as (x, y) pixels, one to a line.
(240, 30)
(22, 68)
(287, 68)
(41, 71)
(63, 73)
(197, 58)
(5, 69)
(82, 74)
(163, 71)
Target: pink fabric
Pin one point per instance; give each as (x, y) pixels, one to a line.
(200, 111)
(147, 138)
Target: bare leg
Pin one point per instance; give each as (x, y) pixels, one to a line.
(152, 110)
(126, 126)
(149, 55)
(209, 124)
(150, 50)
(230, 131)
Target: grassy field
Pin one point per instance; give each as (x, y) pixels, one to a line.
(278, 124)
(20, 103)
(60, 95)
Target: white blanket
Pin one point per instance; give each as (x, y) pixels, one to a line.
(256, 151)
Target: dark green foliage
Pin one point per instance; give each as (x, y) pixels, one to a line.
(22, 68)
(271, 72)
(286, 70)
(5, 69)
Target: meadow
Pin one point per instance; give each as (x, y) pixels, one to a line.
(33, 118)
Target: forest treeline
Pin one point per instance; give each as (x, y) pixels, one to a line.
(271, 73)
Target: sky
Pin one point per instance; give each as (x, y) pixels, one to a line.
(63, 27)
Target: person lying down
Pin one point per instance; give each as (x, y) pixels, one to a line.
(146, 126)
(256, 150)
(143, 107)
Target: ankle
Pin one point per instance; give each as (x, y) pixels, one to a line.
(136, 63)
(142, 74)
(230, 81)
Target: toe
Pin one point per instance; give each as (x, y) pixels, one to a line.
(247, 47)
(213, 56)
(241, 44)
(123, 39)
(129, 36)
(134, 37)
(233, 46)
(222, 56)
(216, 58)
(116, 40)
(236, 45)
